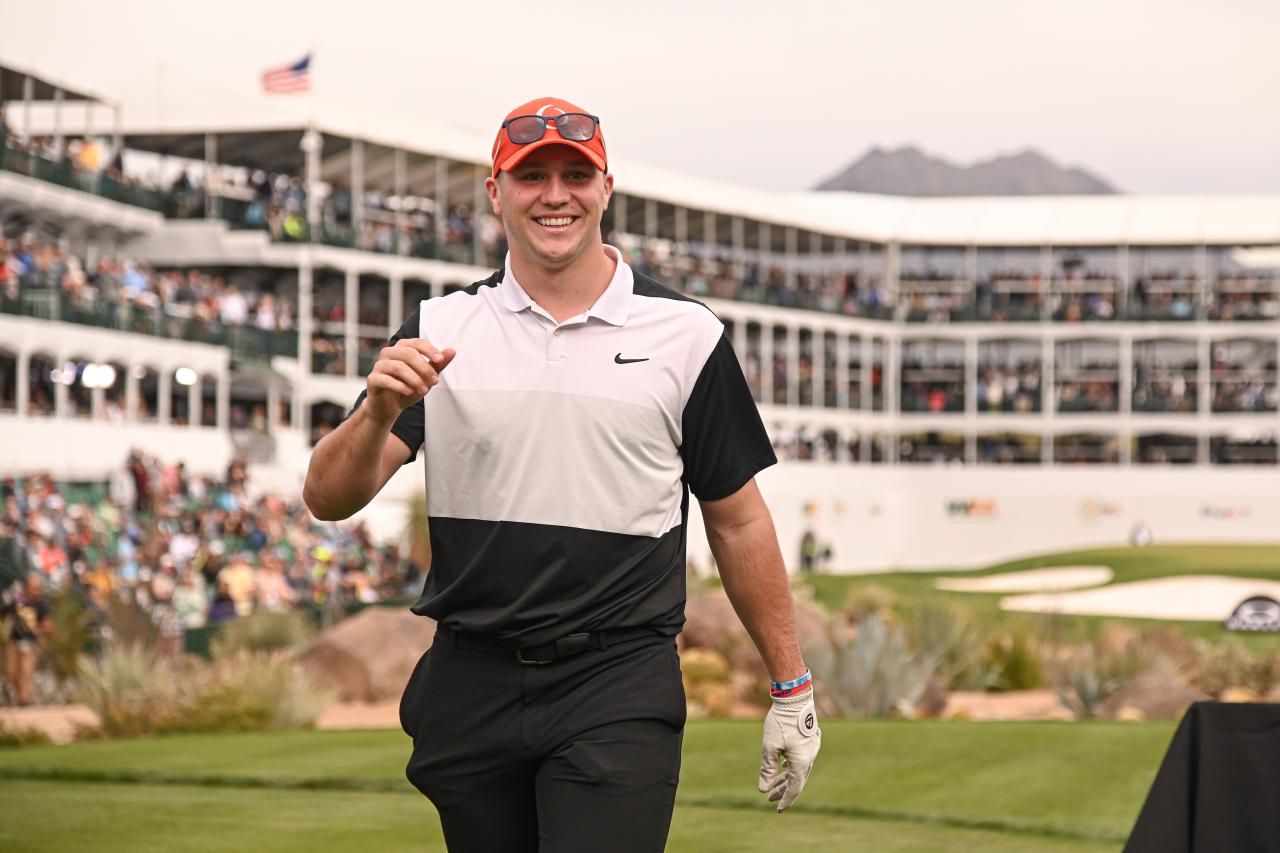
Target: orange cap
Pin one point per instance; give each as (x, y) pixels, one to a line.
(507, 155)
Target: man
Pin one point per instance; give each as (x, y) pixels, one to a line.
(580, 405)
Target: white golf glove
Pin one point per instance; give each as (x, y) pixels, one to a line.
(791, 743)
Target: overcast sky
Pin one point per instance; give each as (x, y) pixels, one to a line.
(1156, 96)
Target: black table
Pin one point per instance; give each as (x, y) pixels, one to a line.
(1218, 790)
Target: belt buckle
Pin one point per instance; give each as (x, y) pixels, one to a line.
(520, 658)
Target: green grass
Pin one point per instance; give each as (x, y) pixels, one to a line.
(878, 786)
(1129, 564)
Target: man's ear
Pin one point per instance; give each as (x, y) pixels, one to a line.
(491, 188)
(608, 187)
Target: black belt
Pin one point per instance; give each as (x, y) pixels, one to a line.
(565, 647)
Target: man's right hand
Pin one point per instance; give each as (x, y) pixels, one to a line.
(403, 375)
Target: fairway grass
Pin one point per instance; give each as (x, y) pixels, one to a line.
(878, 785)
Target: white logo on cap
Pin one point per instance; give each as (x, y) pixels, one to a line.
(549, 107)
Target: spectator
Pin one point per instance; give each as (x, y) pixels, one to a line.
(30, 618)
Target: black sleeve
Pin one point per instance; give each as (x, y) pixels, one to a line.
(410, 426)
(725, 442)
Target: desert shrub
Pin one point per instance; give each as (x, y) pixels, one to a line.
(870, 672)
(14, 736)
(263, 632)
(127, 687)
(868, 599)
(1014, 660)
(949, 633)
(1230, 663)
(73, 633)
(136, 693)
(1097, 670)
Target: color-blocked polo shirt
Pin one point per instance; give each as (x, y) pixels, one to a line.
(559, 456)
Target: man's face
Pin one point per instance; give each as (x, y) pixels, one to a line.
(551, 205)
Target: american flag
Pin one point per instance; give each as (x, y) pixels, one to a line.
(288, 79)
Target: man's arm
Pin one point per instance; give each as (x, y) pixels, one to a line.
(351, 464)
(740, 532)
(742, 538)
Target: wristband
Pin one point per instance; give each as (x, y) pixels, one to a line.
(784, 689)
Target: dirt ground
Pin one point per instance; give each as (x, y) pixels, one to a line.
(59, 721)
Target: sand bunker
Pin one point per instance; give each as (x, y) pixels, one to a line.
(1190, 597)
(1034, 580)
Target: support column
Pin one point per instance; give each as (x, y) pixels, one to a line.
(23, 398)
(738, 228)
(1048, 397)
(442, 205)
(357, 193)
(97, 403)
(401, 167)
(131, 394)
(1122, 283)
(971, 399)
(395, 304)
(313, 147)
(1204, 396)
(306, 326)
(212, 202)
(842, 371)
(766, 363)
(1126, 398)
(792, 238)
(480, 199)
(351, 312)
(224, 399)
(57, 122)
(164, 396)
(194, 404)
(793, 365)
(28, 95)
(709, 236)
(865, 370)
(819, 374)
(890, 372)
(892, 263)
(650, 218)
(61, 393)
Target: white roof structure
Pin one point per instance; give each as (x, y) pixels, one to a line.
(167, 101)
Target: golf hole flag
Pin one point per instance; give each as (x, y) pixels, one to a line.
(288, 79)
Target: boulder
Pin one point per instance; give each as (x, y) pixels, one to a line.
(1153, 695)
(370, 656)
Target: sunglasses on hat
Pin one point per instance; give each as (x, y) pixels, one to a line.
(578, 127)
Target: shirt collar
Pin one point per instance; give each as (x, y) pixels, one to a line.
(613, 306)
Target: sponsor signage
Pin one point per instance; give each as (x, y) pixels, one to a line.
(972, 508)
(1225, 512)
(1257, 613)
(1094, 511)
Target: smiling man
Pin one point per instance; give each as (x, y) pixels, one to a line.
(581, 404)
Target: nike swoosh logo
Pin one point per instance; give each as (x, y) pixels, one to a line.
(618, 359)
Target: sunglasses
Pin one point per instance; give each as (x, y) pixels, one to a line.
(578, 127)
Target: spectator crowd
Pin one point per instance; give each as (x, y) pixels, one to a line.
(194, 550)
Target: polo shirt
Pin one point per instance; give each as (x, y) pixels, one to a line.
(559, 457)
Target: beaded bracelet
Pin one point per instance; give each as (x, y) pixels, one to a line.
(784, 689)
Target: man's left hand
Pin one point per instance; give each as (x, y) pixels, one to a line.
(791, 743)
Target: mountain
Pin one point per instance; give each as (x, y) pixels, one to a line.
(910, 171)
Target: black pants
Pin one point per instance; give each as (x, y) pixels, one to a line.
(579, 755)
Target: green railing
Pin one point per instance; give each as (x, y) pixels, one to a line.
(64, 174)
(47, 301)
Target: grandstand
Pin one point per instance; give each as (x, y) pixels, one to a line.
(206, 273)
